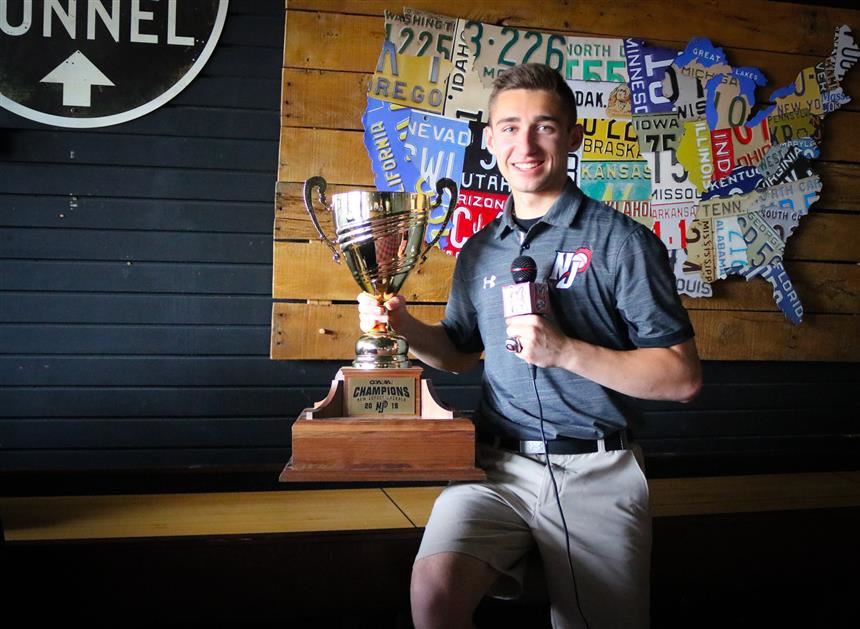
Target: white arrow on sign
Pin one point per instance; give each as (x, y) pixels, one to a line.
(77, 74)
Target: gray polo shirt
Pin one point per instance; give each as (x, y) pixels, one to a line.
(610, 284)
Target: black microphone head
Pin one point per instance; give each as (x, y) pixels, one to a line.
(524, 269)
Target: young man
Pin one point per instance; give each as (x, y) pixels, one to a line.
(616, 327)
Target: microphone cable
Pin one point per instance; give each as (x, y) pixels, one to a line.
(533, 370)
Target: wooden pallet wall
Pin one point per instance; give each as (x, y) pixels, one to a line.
(330, 50)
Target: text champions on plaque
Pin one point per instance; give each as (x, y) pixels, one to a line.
(380, 396)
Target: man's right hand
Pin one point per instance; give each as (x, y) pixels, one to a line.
(371, 312)
(428, 343)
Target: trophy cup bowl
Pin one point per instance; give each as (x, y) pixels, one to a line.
(380, 236)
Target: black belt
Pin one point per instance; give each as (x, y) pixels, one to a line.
(562, 445)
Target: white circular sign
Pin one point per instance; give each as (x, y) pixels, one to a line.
(95, 63)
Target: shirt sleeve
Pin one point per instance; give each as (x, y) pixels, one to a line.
(461, 318)
(646, 295)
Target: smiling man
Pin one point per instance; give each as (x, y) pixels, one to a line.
(565, 488)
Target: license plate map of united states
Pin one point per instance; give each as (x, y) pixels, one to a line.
(700, 151)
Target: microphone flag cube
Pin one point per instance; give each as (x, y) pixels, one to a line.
(525, 298)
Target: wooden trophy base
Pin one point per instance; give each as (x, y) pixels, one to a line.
(407, 437)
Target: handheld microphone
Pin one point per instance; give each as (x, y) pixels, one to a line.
(524, 296)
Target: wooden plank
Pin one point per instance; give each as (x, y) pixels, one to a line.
(119, 149)
(332, 41)
(825, 237)
(755, 24)
(253, 62)
(416, 503)
(166, 371)
(840, 137)
(229, 416)
(382, 449)
(337, 156)
(823, 287)
(766, 492)
(171, 515)
(139, 277)
(142, 309)
(744, 393)
(699, 496)
(118, 340)
(76, 212)
(187, 418)
(841, 185)
(820, 237)
(238, 91)
(182, 122)
(344, 51)
(853, 477)
(841, 192)
(768, 336)
(337, 100)
(302, 331)
(52, 431)
(157, 460)
(145, 182)
(252, 30)
(176, 121)
(315, 98)
(140, 402)
(131, 247)
(237, 513)
(791, 417)
(340, 156)
(305, 271)
(784, 372)
(780, 373)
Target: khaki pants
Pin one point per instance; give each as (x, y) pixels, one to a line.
(504, 520)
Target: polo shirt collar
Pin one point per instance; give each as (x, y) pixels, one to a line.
(560, 214)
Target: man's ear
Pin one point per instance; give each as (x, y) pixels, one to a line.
(575, 137)
(488, 139)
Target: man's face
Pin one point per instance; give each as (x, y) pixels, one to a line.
(530, 134)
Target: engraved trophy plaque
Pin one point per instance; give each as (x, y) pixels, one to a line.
(380, 420)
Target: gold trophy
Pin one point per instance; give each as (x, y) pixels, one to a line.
(379, 235)
(380, 419)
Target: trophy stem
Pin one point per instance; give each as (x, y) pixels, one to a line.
(381, 349)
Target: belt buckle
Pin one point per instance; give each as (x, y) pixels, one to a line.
(531, 447)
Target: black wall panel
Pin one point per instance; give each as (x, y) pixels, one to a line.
(135, 302)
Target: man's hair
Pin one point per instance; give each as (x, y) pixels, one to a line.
(535, 76)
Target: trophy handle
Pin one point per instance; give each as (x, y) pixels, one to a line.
(442, 185)
(320, 184)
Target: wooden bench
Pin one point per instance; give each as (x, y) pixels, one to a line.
(56, 518)
(294, 555)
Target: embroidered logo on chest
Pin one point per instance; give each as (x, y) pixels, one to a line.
(568, 264)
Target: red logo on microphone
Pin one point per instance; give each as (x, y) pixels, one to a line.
(568, 264)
